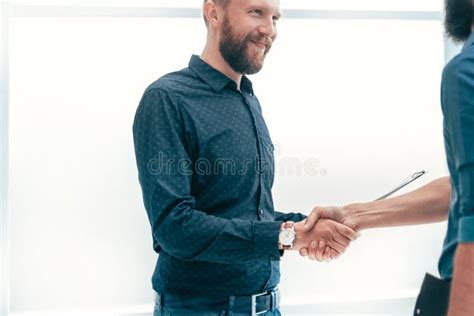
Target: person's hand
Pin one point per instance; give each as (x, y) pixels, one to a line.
(342, 215)
(324, 234)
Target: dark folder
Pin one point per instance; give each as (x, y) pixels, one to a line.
(433, 299)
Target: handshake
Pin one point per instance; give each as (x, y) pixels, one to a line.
(326, 233)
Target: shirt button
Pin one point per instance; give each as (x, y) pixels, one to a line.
(261, 211)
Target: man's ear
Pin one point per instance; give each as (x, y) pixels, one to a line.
(210, 11)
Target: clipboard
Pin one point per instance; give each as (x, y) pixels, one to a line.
(406, 182)
(433, 299)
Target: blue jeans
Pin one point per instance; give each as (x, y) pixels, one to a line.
(166, 311)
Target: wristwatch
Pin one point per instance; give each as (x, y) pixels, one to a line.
(287, 235)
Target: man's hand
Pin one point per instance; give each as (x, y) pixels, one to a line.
(324, 234)
(338, 214)
(341, 215)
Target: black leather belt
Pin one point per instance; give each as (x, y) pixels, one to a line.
(254, 304)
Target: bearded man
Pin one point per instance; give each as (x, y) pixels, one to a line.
(206, 169)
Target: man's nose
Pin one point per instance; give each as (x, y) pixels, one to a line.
(268, 28)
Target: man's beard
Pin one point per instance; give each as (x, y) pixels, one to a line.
(458, 19)
(235, 51)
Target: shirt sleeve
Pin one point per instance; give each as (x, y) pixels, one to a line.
(293, 217)
(460, 116)
(165, 174)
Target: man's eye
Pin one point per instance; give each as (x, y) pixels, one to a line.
(257, 12)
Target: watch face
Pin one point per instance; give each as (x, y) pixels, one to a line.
(287, 236)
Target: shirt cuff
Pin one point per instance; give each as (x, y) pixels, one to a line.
(266, 240)
(466, 229)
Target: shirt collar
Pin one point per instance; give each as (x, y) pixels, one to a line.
(469, 42)
(215, 78)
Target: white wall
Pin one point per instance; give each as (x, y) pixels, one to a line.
(366, 107)
(4, 214)
(359, 96)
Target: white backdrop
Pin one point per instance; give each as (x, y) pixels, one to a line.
(356, 98)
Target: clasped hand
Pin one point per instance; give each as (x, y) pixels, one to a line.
(325, 234)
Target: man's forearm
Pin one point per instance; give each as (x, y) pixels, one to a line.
(427, 204)
(462, 292)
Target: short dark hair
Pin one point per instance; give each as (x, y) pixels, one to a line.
(459, 18)
(222, 3)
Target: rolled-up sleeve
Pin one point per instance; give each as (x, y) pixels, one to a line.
(165, 173)
(461, 120)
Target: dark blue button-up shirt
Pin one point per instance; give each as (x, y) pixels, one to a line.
(206, 168)
(457, 99)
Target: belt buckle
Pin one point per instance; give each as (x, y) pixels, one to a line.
(276, 298)
(254, 304)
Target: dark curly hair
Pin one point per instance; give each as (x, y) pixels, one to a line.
(458, 19)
